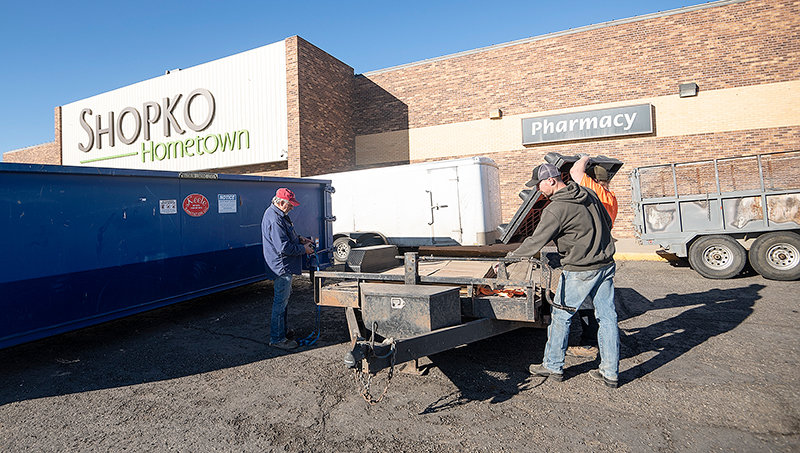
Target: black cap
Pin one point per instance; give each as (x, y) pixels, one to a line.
(542, 172)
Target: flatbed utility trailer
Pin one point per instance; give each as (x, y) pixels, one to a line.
(415, 311)
(402, 308)
(713, 211)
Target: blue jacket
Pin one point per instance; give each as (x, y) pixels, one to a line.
(283, 251)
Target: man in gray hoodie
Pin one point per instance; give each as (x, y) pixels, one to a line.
(580, 226)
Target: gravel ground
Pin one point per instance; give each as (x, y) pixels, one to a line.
(706, 365)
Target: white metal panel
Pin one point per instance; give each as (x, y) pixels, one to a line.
(480, 200)
(249, 92)
(394, 201)
(445, 219)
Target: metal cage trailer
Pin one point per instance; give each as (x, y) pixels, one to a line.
(719, 213)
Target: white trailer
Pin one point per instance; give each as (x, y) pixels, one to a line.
(449, 202)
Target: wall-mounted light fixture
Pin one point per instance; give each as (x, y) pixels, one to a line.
(688, 89)
(495, 114)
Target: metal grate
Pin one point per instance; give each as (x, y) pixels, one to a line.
(531, 220)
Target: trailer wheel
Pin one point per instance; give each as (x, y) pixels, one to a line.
(776, 256)
(341, 249)
(717, 257)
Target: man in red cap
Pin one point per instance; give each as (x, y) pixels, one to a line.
(283, 251)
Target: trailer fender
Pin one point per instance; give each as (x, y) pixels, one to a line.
(343, 242)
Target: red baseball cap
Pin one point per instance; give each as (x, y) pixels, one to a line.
(286, 194)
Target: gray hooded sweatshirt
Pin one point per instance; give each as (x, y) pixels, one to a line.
(579, 225)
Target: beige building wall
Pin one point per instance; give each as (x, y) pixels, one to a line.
(735, 109)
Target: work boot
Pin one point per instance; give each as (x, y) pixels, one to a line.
(286, 344)
(598, 376)
(588, 352)
(538, 369)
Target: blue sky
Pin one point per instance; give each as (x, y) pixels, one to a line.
(54, 53)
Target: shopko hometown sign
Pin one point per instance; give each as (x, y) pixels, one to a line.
(224, 113)
(631, 120)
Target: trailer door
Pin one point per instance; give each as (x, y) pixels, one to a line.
(445, 218)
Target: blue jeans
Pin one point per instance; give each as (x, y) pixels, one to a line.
(280, 304)
(573, 288)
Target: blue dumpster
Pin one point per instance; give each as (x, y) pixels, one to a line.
(86, 245)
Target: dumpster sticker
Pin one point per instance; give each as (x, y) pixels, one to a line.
(168, 206)
(195, 204)
(226, 203)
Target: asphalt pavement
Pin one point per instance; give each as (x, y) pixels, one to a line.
(706, 365)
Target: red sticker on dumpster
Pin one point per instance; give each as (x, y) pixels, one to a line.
(195, 204)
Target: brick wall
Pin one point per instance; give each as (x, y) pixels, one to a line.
(292, 109)
(325, 92)
(735, 45)
(280, 169)
(320, 113)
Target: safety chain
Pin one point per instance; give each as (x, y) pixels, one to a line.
(366, 383)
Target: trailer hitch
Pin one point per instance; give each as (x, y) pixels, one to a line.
(352, 359)
(374, 353)
(363, 351)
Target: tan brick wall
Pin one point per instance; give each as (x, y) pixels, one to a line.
(46, 153)
(730, 50)
(755, 107)
(320, 112)
(735, 45)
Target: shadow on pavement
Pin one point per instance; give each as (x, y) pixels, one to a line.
(494, 369)
(717, 311)
(713, 312)
(210, 333)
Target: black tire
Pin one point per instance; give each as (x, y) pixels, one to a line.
(776, 256)
(341, 249)
(717, 257)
